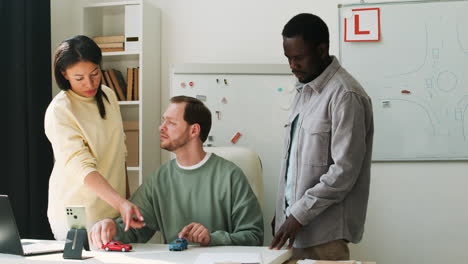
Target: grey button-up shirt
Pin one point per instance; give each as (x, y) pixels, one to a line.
(331, 175)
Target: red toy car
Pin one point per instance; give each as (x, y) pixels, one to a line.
(117, 246)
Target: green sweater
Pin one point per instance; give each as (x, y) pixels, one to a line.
(216, 195)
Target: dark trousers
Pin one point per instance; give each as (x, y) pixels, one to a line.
(333, 250)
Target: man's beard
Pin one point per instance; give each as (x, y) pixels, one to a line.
(173, 145)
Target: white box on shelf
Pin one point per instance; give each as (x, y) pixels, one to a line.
(132, 27)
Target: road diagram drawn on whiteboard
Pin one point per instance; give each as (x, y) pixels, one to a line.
(439, 96)
(416, 76)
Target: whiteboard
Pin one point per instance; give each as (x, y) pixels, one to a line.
(257, 101)
(417, 77)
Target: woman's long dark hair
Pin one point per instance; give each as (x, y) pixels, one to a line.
(73, 50)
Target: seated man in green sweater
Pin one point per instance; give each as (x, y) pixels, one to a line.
(198, 196)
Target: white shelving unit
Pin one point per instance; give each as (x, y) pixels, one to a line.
(108, 18)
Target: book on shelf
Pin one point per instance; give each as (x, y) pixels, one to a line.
(108, 39)
(135, 83)
(112, 49)
(121, 81)
(103, 79)
(111, 45)
(117, 83)
(109, 83)
(130, 84)
(124, 90)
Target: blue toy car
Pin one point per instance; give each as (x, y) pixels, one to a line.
(178, 245)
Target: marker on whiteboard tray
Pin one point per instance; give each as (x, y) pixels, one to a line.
(235, 138)
(405, 92)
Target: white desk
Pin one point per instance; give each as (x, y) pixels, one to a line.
(150, 253)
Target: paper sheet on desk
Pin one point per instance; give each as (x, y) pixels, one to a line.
(215, 258)
(310, 261)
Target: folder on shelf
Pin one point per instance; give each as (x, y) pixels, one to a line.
(132, 27)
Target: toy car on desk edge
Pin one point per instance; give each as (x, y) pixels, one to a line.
(178, 245)
(117, 246)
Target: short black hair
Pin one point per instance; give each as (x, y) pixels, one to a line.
(311, 27)
(195, 113)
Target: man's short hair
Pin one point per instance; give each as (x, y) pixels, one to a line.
(195, 113)
(311, 27)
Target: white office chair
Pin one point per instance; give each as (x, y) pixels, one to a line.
(245, 159)
(248, 161)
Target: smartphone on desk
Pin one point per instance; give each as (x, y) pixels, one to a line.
(76, 216)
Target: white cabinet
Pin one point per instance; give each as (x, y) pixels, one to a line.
(140, 22)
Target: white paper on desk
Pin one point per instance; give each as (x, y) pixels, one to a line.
(310, 261)
(212, 258)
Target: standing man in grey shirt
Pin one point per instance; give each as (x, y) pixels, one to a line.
(325, 175)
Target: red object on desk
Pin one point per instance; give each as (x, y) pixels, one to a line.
(117, 246)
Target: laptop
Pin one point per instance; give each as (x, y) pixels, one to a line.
(10, 242)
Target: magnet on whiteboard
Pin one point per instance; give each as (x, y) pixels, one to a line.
(201, 97)
(224, 100)
(235, 138)
(191, 84)
(225, 82)
(218, 115)
(385, 103)
(183, 85)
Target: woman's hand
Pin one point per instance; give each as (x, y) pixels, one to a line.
(131, 215)
(102, 232)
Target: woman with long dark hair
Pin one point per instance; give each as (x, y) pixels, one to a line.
(84, 125)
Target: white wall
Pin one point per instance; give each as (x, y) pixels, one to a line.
(417, 210)
(64, 14)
